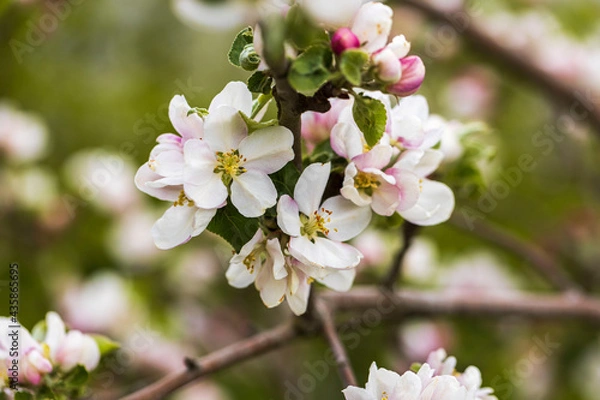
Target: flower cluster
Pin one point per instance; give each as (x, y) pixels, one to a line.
(437, 379)
(211, 160)
(51, 357)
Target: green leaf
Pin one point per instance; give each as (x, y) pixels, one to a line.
(244, 37)
(23, 396)
(202, 112)
(285, 179)
(259, 82)
(352, 63)
(301, 30)
(232, 226)
(105, 344)
(77, 377)
(39, 331)
(370, 116)
(310, 70)
(255, 125)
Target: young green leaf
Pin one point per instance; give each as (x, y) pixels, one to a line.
(311, 70)
(77, 377)
(352, 63)
(233, 226)
(255, 125)
(285, 179)
(105, 344)
(259, 82)
(370, 116)
(243, 38)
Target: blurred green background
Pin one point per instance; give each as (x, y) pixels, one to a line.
(100, 80)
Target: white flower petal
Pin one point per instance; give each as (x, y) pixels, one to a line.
(339, 280)
(347, 140)
(189, 126)
(332, 13)
(90, 355)
(356, 393)
(415, 105)
(55, 333)
(235, 95)
(179, 224)
(252, 193)
(378, 157)
(143, 181)
(421, 162)
(311, 186)
(324, 253)
(217, 16)
(268, 150)
(288, 218)
(409, 186)
(385, 199)
(272, 291)
(346, 219)
(435, 205)
(298, 300)
(276, 258)
(408, 386)
(372, 25)
(238, 274)
(224, 129)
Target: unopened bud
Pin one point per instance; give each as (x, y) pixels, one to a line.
(387, 65)
(249, 58)
(344, 39)
(413, 74)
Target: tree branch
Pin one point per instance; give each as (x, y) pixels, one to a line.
(398, 305)
(569, 97)
(409, 231)
(545, 265)
(220, 359)
(330, 333)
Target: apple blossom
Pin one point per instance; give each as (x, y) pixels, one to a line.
(317, 230)
(316, 127)
(344, 39)
(228, 159)
(435, 380)
(412, 76)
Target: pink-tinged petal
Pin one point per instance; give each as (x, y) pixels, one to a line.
(378, 157)
(145, 176)
(298, 298)
(179, 224)
(252, 193)
(356, 393)
(413, 105)
(408, 130)
(413, 74)
(346, 140)
(372, 25)
(346, 220)
(311, 186)
(409, 186)
(189, 126)
(268, 150)
(421, 162)
(235, 95)
(168, 163)
(170, 139)
(272, 291)
(288, 218)
(276, 259)
(339, 280)
(435, 205)
(324, 253)
(385, 199)
(224, 129)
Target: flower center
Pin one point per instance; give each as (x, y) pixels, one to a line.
(366, 182)
(315, 224)
(229, 165)
(182, 200)
(384, 396)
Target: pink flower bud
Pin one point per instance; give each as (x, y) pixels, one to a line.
(413, 74)
(344, 39)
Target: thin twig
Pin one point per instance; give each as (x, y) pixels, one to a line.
(398, 305)
(545, 265)
(220, 359)
(570, 97)
(409, 231)
(339, 351)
